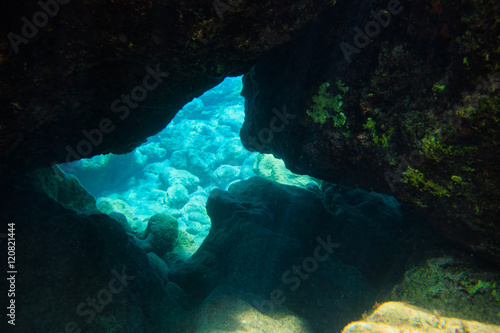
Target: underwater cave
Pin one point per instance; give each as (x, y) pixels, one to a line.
(307, 166)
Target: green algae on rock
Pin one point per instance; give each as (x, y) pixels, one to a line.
(453, 288)
(395, 317)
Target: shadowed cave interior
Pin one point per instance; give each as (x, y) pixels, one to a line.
(303, 166)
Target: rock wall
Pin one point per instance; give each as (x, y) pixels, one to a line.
(85, 78)
(398, 97)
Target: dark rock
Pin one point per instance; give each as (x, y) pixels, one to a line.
(161, 234)
(122, 220)
(69, 78)
(263, 240)
(66, 189)
(453, 286)
(263, 234)
(66, 261)
(256, 229)
(414, 113)
(160, 268)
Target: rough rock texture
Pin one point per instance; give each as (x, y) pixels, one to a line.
(66, 262)
(264, 217)
(453, 287)
(269, 167)
(411, 110)
(108, 206)
(67, 85)
(171, 176)
(265, 238)
(66, 189)
(394, 317)
(161, 234)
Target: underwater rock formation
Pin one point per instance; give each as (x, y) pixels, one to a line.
(395, 317)
(396, 97)
(409, 108)
(282, 224)
(276, 248)
(281, 245)
(98, 77)
(269, 167)
(453, 287)
(79, 271)
(64, 188)
(161, 234)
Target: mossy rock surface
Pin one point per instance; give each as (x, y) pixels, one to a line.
(452, 287)
(422, 111)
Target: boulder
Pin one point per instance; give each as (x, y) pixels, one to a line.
(395, 317)
(263, 235)
(269, 167)
(171, 176)
(233, 116)
(200, 163)
(90, 275)
(225, 174)
(177, 196)
(108, 206)
(231, 152)
(161, 234)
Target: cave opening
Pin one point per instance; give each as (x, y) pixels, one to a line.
(174, 171)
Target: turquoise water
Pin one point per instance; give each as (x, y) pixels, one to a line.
(174, 171)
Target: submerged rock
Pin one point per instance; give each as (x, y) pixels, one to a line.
(453, 287)
(231, 152)
(395, 317)
(263, 242)
(269, 167)
(161, 235)
(177, 196)
(233, 117)
(108, 206)
(66, 189)
(67, 89)
(171, 176)
(410, 111)
(80, 271)
(225, 174)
